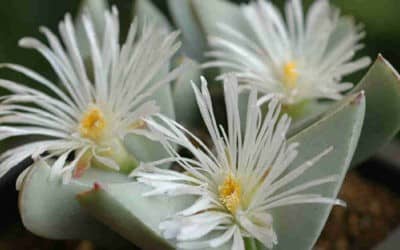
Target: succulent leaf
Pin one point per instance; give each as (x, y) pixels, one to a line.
(185, 17)
(124, 209)
(382, 116)
(186, 109)
(346, 117)
(210, 13)
(48, 207)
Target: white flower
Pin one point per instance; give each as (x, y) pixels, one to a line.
(90, 107)
(295, 58)
(237, 181)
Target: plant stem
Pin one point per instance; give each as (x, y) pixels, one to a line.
(250, 244)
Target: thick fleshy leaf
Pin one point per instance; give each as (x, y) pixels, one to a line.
(186, 110)
(125, 210)
(210, 13)
(186, 20)
(49, 209)
(341, 129)
(164, 100)
(144, 149)
(129, 209)
(312, 113)
(382, 117)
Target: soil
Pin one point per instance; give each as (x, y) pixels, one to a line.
(372, 212)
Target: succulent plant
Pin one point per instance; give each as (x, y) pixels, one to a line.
(98, 201)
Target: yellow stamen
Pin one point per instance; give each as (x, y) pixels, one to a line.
(290, 75)
(92, 124)
(229, 193)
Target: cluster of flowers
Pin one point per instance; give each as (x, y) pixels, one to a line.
(81, 120)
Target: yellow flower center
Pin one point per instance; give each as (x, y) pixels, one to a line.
(229, 193)
(93, 124)
(290, 75)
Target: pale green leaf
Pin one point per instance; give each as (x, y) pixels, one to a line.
(210, 13)
(187, 112)
(124, 209)
(381, 85)
(49, 209)
(144, 149)
(382, 117)
(186, 20)
(301, 230)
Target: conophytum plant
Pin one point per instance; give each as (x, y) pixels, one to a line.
(120, 112)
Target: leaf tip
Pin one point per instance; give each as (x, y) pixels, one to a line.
(380, 57)
(97, 186)
(383, 60)
(358, 98)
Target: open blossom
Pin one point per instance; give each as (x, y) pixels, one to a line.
(83, 116)
(237, 181)
(296, 58)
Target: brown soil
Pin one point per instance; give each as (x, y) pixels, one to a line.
(372, 212)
